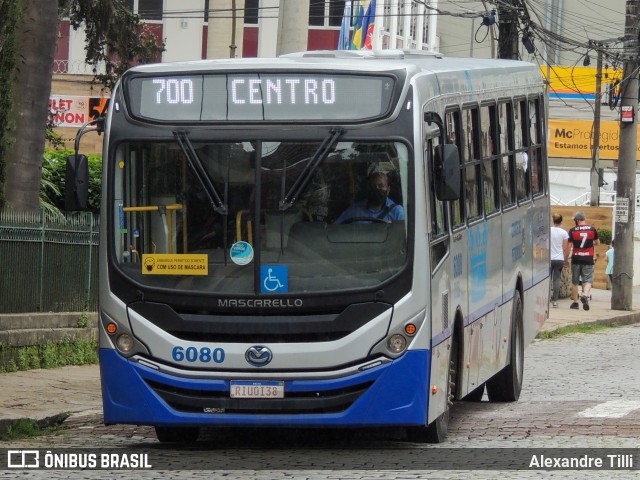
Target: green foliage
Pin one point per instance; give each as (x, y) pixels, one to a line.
(116, 37)
(83, 321)
(27, 428)
(10, 13)
(49, 191)
(577, 328)
(48, 355)
(56, 161)
(605, 235)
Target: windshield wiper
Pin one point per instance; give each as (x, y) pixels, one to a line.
(301, 182)
(198, 169)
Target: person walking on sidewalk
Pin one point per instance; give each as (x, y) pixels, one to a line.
(583, 239)
(609, 270)
(559, 243)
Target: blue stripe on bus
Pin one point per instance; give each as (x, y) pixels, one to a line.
(478, 313)
(398, 396)
(540, 277)
(441, 337)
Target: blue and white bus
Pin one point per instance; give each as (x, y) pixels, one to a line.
(231, 297)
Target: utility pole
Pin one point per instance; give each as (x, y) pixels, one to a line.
(293, 26)
(232, 47)
(226, 26)
(621, 297)
(595, 158)
(508, 30)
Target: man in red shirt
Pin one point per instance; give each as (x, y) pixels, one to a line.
(583, 239)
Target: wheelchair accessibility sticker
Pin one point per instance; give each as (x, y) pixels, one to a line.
(241, 253)
(274, 278)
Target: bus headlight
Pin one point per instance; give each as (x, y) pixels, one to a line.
(397, 343)
(124, 343)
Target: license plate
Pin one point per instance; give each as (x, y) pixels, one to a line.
(250, 389)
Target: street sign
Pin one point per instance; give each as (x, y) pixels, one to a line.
(622, 209)
(626, 114)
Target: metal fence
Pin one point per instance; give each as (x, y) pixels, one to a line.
(48, 264)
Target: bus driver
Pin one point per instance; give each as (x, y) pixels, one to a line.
(376, 205)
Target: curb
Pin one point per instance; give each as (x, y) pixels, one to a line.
(630, 318)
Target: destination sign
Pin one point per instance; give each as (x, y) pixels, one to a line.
(259, 97)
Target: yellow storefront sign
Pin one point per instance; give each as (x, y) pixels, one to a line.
(574, 139)
(574, 81)
(175, 264)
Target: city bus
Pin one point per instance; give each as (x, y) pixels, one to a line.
(231, 297)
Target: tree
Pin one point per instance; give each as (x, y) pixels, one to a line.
(9, 12)
(116, 38)
(35, 38)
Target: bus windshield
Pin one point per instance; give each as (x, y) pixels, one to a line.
(212, 217)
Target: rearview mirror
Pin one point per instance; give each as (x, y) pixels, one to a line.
(446, 170)
(76, 191)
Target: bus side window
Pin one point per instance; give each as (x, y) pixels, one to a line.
(438, 225)
(453, 134)
(535, 148)
(490, 183)
(438, 211)
(520, 131)
(472, 177)
(506, 157)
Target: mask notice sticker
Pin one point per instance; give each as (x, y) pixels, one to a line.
(175, 264)
(241, 253)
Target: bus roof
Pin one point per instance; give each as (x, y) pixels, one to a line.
(412, 61)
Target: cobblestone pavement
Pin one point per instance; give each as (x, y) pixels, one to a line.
(580, 391)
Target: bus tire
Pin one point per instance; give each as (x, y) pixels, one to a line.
(506, 385)
(436, 431)
(177, 434)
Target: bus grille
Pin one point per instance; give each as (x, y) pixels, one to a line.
(198, 401)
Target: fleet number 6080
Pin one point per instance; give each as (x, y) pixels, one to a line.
(193, 354)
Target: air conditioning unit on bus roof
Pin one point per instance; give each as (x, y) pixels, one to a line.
(397, 54)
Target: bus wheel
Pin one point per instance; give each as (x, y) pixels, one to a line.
(177, 434)
(436, 431)
(506, 385)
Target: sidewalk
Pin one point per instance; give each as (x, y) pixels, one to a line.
(45, 394)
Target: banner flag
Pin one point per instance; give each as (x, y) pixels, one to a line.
(368, 25)
(358, 13)
(345, 26)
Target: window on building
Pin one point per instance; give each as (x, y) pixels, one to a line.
(146, 9)
(326, 13)
(414, 21)
(252, 12)
(336, 12)
(425, 32)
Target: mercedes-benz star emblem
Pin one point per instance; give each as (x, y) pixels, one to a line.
(258, 356)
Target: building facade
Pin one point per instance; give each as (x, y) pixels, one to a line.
(199, 29)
